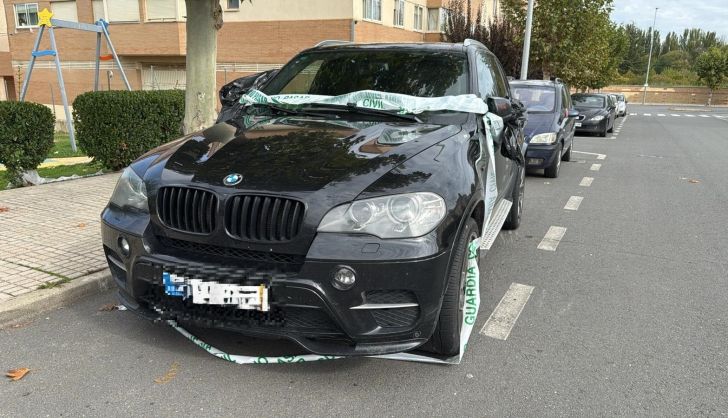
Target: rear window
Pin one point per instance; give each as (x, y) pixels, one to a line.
(588, 101)
(536, 99)
(415, 73)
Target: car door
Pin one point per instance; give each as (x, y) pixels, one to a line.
(568, 124)
(488, 87)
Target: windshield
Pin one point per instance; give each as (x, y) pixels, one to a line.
(588, 101)
(536, 99)
(333, 73)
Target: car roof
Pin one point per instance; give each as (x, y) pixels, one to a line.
(591, 94)
(419, 46)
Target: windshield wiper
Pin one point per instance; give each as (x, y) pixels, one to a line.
(352, 108)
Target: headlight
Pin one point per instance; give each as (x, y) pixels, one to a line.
(398, 216)
(548, 138)
(130, 192)
(597, 118)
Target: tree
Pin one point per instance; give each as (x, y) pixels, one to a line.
(677, 60)
(712, 68)
(204, 19)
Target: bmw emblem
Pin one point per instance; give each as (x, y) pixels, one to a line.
(232, 179)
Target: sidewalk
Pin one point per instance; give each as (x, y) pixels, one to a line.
(55, 162)
(51, 233)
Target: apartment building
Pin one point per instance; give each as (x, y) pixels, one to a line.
(149, 36)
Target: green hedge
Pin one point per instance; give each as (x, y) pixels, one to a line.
(116, 127)
(26, 137)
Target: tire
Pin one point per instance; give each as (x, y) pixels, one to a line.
(446, 338)
(603, 132)
(513, 221)
(611, 129)
(552, 171)
(567, 154)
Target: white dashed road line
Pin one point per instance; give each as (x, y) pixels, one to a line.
(595, 167)
(552, 239)
(586, 181)
(598, 155)
(661, 114)
(704, 116)
(689, 116)
(573, 203)
(504, 316)
(647, 114)
(677, 116)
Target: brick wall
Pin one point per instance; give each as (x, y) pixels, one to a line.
(670, 95)
(373, 32)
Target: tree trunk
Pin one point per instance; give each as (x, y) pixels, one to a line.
(204, 18)
(710, 96)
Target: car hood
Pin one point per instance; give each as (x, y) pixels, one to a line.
(334, 160)
(539, 123)
(589, 112)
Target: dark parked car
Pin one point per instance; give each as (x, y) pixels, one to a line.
(342, 228)
(597, 113)
(551, 120)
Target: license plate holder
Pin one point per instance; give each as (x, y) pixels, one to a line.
(578, 124)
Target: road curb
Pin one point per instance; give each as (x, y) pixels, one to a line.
(30, 305)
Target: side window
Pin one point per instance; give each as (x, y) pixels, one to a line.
(486, 83)
(501, 83)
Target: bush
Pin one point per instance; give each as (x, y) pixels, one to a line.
(116, 127)
(26, 137)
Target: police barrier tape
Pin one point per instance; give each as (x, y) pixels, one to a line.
(409, 104)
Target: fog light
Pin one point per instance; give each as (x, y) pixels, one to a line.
(344, 278)
(124, 246)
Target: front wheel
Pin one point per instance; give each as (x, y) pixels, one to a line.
(446, 338)
(552, 171)
(567, 154)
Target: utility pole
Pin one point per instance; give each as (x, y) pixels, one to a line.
(527, 42)
(649, 59)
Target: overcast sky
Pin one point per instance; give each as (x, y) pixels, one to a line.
(674, 15)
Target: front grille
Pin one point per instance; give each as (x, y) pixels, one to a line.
(187, 209)
(263, 218)
(236, 253)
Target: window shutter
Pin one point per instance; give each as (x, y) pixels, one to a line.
(65, 10)
(123, 11)
(161, 10)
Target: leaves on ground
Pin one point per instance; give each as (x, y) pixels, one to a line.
(112, 307)
(17, 374)
(169, 375)
(81, 225)
(694, 181)
(4, 209)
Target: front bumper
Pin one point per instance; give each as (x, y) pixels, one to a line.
(408, 277)
(540, 156)
(591, 126)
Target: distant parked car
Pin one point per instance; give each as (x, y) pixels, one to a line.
(597, 113)
(551, 121)
(621, 105)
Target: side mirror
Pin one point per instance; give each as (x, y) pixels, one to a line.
(573, 113)
(501, 107)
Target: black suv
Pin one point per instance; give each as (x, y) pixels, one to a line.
(341, 227)
(551, 122)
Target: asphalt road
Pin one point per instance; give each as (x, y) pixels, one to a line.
(627, 317)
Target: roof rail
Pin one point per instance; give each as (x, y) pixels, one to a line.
(331, 42)
(557, 80)
(469, 42)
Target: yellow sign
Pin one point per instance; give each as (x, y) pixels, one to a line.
(44, 18)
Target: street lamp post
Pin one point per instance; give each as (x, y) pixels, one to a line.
(527, 41)
(649, 59)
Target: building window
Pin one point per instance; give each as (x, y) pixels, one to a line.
(372, 9)
(161, 10)
(233, 4)
(26, 15)
(398, 12)
(433, 20)
(65, 10)
(419, 14)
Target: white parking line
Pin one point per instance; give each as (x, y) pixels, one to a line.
(704, 116)
(673, 114)
(689, 116)
(661, 114)
(586, 181)
(595, 167)
(573, 203)
(552, 239)
(647, 114)
(601, 156)
(633, 114)
(504, 316)
(598, 155)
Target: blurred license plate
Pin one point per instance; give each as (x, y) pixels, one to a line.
(213, 293)
(578, 124)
